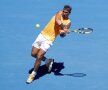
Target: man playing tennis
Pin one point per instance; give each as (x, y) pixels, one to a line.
(58, 25)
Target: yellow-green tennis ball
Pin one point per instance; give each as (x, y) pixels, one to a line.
(37, 25)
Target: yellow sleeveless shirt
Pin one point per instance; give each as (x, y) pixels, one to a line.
(52, 29)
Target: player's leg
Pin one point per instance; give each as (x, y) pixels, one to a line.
(34, 51)
(39, 57)
(36, 45)
(37, 63)
(45, 46)
(40, 46)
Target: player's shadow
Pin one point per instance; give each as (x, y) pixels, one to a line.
(56, 69)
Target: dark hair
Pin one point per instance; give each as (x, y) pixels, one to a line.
(67, 7)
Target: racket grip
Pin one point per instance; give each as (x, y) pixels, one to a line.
(62, 34)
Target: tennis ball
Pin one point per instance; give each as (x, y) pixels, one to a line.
(37, 25)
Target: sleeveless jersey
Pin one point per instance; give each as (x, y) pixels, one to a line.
(52, 29)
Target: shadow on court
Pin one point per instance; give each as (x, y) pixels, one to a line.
(56, 69)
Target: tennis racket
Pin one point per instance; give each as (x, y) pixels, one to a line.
(82, 30)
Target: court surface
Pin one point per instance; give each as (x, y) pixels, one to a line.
(84, 54)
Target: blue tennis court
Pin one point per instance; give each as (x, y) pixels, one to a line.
(81, 61)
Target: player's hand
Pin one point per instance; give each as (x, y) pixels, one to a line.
(66, 30)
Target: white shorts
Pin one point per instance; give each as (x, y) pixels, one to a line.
(42, 42)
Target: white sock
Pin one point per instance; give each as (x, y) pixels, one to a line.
(33, 72)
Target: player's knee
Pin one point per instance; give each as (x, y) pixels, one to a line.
(33, 54)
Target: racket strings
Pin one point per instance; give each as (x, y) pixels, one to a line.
(85, 31)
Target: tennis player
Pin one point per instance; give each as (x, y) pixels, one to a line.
(58, 25)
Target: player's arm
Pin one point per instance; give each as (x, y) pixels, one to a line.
(68, 25)
(66, 28)
(58, 19)
(59, 22)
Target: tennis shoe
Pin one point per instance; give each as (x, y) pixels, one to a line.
(30, 78)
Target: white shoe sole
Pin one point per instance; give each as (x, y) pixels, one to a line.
(50, 66)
